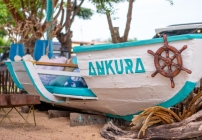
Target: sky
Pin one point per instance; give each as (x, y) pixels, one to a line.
(147, 15)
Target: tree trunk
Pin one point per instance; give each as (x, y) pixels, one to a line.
(111, 28)
(128, 22)
(66, 38)
(115, 30)
(186, 129)
(66, 42)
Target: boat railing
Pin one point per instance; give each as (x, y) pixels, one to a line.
(55, 64)
(55, 72)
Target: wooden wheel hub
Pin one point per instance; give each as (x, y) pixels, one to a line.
(173, 68)
(168, 61)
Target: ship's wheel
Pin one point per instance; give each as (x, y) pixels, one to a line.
(168, 66)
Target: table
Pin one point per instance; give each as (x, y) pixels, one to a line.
(13, 101)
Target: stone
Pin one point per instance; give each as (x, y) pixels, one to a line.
(77, 119)
(58, 113)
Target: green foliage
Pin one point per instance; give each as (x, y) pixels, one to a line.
(2, 33)
(84, 13)
(106, 6)
(5, 16)
(22, 7)
(1, 50)
(4, 44)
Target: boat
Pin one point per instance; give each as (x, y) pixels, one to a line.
(122, 78)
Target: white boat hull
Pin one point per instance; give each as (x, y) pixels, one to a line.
(128, 93)
(121, 79)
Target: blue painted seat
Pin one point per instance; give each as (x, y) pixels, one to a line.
(40, 49)
(16, 49)
(71, 91)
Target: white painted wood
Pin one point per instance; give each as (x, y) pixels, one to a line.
(139, 90)
(21, 73)
(76, 97)
(46, 94)
(62, 73)
(27, 83)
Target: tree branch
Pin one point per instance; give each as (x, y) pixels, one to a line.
(58, 13)
(33, 10)
(128, 21)
(41, 14)
(68, 15)
(23, 7)
(61, 21)
(75, 2)
(111, 28)
(76, 11)
(16, 16)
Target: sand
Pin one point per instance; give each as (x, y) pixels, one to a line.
(46, 129)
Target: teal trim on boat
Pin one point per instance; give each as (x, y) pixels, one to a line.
(13, 75)
(180, 96)
(31, 78)
(71, 91)
(101, 47)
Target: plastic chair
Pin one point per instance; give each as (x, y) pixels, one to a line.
(16, 49)
(40, 49)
